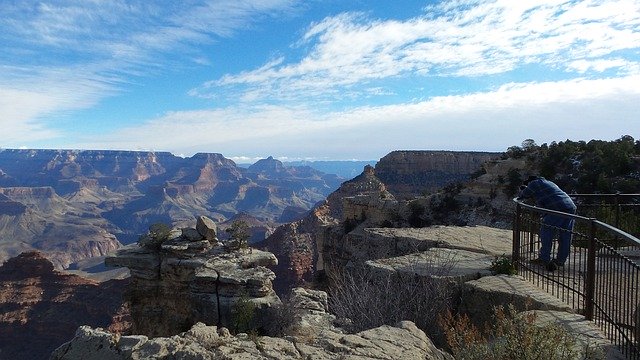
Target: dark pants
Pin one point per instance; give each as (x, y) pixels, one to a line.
(552, 224)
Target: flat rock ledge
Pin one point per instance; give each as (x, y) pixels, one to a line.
(449, 264)
(587, 334)
(482, 239)
(480, 296)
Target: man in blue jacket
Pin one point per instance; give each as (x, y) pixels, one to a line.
(549, 196)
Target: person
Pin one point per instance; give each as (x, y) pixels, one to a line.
(549, 196)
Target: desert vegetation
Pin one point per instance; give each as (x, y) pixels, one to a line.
(512, 335)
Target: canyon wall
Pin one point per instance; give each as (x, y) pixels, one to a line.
(412, 173)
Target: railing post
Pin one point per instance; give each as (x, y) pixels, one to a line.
(515, 251)
(617, 201)
(590, 280)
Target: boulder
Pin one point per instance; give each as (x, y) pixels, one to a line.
(207, 228)
(191, 234)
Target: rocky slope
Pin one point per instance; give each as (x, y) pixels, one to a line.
(77, 204)
(40, 308)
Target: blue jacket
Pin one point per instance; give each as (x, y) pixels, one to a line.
(548, 195)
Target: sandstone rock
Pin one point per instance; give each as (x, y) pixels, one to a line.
(480, 296)
(42, 307)
(409, 173)
(207, 228)
(191, 234)
(450, 264)
(403, 341)
(587, 333)
(176, 286)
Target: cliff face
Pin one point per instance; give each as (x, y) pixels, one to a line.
(411, 173)
(40, 308)
(191, 278)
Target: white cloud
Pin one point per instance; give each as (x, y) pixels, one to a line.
(455, 38)
(583, 65)
(60, 56)
(549, 111)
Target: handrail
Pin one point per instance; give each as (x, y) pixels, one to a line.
(549, 211)
(575, 216)
(602, 277)
(619, 232)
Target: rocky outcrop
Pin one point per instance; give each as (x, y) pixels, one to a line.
(40, 307)
(365, 244)
(313, 338)
(299, 245)
(189, 278)
(411, 173)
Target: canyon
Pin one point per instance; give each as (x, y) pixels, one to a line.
(77, 204)
(72, 205)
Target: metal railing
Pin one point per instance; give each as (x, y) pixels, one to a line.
(601, 278)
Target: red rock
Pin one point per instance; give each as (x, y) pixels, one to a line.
(41, 308)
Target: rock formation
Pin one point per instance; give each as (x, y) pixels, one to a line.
(37, 218)
(40, 307)
(298, 245)
(313, 338)
(411, 173)
(188, 278)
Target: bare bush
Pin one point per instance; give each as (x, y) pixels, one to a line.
(371, 299)
(281, 319)
(512, 336)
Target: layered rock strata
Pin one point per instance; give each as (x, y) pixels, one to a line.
(40, 307)
(411, 173)
(190, 278)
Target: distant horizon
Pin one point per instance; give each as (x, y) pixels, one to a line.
(322, 79)
(240, 161)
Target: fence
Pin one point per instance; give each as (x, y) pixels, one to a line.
(601, 278)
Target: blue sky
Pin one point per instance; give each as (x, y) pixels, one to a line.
(316, 79)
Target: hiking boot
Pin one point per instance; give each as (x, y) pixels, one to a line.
(539, 261)
(558, 263)
(549, 265)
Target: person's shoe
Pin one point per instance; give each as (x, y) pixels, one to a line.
(539, 261)
(558, 263)
(549, 265)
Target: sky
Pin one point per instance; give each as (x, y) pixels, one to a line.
(314, 79)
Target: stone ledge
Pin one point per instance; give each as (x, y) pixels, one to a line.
(481, 295)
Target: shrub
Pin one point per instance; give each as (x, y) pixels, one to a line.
(512, 336)
(369, 299)
(280, 320)
(416, 215)
(242, 314)
(503, 265)
(158, 234)
(238, 235)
